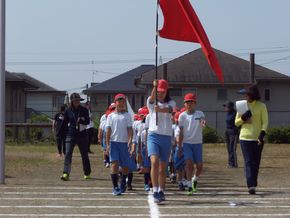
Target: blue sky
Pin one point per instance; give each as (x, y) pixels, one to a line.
(56, 40)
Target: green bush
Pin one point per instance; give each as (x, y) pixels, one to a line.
(210, 135)
(279, 135)
(36, 134)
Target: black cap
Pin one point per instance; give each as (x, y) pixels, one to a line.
(75, 97)
(229, 104)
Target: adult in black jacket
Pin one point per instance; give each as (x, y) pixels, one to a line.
(77, 118)
(232, 134)
(60, 129)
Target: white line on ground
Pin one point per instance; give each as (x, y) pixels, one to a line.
(127, 193)
(145, 215)
(144, 207)
(109, 188)
(154, 210)
(144, 199)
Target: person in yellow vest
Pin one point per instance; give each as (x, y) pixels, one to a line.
(254, 124)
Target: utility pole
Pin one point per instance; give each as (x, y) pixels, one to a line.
(252, 68)
(2, 91)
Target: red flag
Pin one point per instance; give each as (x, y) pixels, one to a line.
(182, 23)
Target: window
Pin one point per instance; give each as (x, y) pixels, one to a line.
(222, 94)
(109, 100)
(175, 92)
(133, 102)
(267, 95)
(142, 101)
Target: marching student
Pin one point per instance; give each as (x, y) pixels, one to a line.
(76, 117)
(159, 136)
(102, 134)
(119, 135)
(142, 150)
(178, 156)
(191, 123)
(254, 124)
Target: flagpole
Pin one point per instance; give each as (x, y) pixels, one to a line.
(2, 91)
(156, 56)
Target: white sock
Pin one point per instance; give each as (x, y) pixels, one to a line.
(155, 189)
(195, 178)
(161, 189)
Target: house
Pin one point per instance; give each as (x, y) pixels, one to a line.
(25, 94)
(15, 97)
(102, 95)
(192, 73)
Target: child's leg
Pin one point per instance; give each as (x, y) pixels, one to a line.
(114, 173)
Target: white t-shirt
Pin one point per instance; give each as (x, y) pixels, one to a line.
(91, 124)
(164, 119)
(135, 127)
(192, 127)
(141, 132)
(103, 121)
(119, 124)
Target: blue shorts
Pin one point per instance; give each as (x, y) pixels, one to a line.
(132, 164)
(192, 152)
(178, 161)
(104, 146)
(119, 152)
(145, 158)
(159, 145)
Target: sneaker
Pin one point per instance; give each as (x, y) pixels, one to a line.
(161, 196)
(252, 190)
(65, 177)
(87, 177)
(123, 188)
(189, 192)
(116, 191)
(129, 187)
(181, 186)
(146, 188)
(107, 165)
(156, 197)
(194, 186)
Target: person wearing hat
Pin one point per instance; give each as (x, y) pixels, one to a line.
(254, 124)
(119, 136)
(191, 123)
(178, 156)
(102, 133)
(77, 118)
(159, 136)
(231, 134)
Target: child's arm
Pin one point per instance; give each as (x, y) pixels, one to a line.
(108, 138)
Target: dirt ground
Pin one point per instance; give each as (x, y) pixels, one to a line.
(33, 188)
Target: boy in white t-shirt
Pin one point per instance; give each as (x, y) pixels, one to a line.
(119, 135)
(191, 123)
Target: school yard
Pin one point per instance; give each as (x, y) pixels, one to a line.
(34, 189)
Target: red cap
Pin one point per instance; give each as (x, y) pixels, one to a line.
(190, 97)
(112, 106)
(162, 85)
(145, 111)
(176, 116)
(119, 96)
(140, 110)
(136, 117)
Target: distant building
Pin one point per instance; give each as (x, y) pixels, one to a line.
(192, 73)
(102, 95)
(26, 95)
